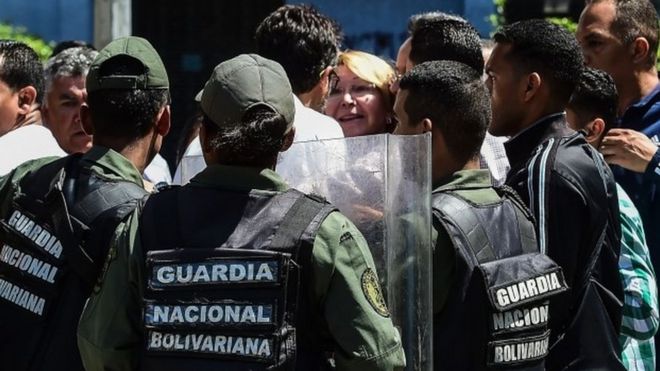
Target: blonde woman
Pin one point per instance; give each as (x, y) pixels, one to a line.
(359, 97)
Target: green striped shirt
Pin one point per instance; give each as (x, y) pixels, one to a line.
(640, 309)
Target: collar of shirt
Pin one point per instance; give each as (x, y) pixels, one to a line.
(239, 178)
(465, 179)
(520, 147)
(108, 162)
(646, 100)
(633, 115)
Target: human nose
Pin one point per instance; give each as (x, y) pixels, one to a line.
(347, 97)
(76, 115)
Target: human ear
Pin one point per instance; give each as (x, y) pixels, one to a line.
(595, 130)
(27, 96)
(163, 122)
(533, 84)
(427, 126)
(288, 139)
(640, 50)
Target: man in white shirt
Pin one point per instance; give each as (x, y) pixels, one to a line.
(65, 92)
(65, 75)
(306, 44)
(22, 137)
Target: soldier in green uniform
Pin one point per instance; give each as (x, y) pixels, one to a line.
(235, 271)
(57, 215)
(484, 236)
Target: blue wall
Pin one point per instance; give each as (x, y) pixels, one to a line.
(52, 20)
(379, 26)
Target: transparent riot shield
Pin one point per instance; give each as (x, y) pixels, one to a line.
(382, 183)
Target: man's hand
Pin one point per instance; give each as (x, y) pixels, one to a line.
(629, 149)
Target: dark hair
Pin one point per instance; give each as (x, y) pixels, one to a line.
(254, 141)
(124, 113)
(595, 96)
(635, 18)
(416, 19)
(20, 67)
(547, 49)
(302, 40)
(446, 37)
(453, 97)
(68, 44)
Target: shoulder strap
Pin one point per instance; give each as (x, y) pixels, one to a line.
(302, 214)
(303, 221)
(106, 198)
(454, 213)
(103, 223)
(526, 220)
(56, 200)
(111, 202)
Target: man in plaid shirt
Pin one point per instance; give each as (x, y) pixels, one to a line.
(640, 310)
(592, 110)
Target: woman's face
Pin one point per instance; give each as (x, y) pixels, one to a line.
(356, 104)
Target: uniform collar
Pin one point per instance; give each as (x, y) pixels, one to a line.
(239, 178)
(520, 147)
(108, 162)
(465, 179)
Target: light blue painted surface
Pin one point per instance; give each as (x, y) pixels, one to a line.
(52, 20)
(377, 26)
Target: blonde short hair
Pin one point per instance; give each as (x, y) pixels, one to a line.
(371, 69)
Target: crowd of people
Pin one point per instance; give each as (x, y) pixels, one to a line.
(545, 174)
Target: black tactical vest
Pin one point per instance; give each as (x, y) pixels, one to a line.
(496, 315)
(54, 240)
(225, 275)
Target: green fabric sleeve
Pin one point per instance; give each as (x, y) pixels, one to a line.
(109, 332)
(342, 289)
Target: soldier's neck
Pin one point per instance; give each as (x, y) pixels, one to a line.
(473, 164)
(450, 167)
(139, 152)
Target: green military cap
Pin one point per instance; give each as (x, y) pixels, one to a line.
(244, 82)
(153, 77)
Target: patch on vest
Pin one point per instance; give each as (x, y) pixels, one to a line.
(520, 319)
(239, 347)
(518, 350)
(41, 236)
(215, 272)
(373, 293)
(22, 297)
(209, 314)
(28, 264)
(525, 291)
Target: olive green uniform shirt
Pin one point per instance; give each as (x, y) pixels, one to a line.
(102, 161)
(475, 186)
(110, 331)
